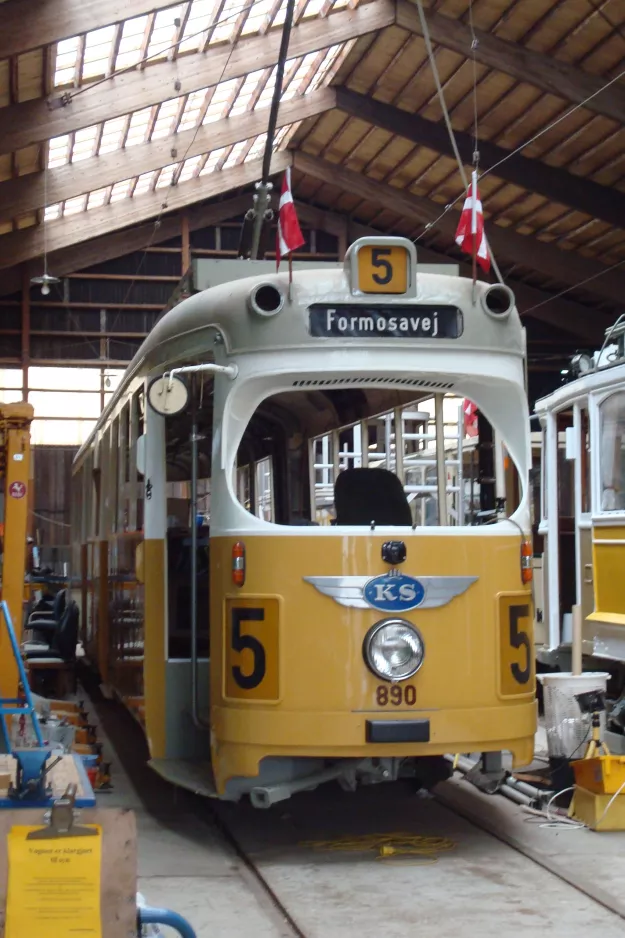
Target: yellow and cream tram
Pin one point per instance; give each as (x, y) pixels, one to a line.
(304, 556)
(583, 508)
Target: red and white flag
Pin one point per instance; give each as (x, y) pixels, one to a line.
(470, 418)
(470, 235)
(289, 236)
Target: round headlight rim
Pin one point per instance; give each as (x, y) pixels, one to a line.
(373, 630)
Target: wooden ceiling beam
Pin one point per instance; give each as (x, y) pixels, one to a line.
(21, 195)
(549, 74)
(566, 266)
(44, 22)
(120, 243)
(35, 121)
(21, 246)
(564, 314)
(555, 184)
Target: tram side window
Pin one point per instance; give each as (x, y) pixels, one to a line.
(612, 452)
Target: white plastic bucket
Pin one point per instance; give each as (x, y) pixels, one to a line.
(567, 727)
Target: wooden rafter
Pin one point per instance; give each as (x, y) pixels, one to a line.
(549, 74)
(558, 185)
(25, 245)
(564, 266)
(21, 195)
(33, 121)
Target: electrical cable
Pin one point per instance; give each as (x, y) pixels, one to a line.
(450, 130)
(387, 845)
(576, 286)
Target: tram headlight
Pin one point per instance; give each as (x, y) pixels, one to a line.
(393, 649)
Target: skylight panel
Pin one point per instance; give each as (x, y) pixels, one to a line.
(58, 152)
(97, 51)
(67, 51)
(120, 190)
(96, 198)
(256, 17)
(74, 206)
(241, 104)
(189, 120)
(280, 15)
(313, 8)
(143, 183)
(52, 212)
(112, 135)
(138, 127)
(212, 161)
(200, 18)
(164, 32)
(84, 143)
(166, 176)
(227, 21)
(257, 149)
(235, 153)
(189, 168)
(164, 125)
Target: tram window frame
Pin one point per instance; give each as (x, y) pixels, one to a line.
(619, 421)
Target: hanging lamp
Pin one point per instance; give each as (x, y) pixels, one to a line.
(46, 280)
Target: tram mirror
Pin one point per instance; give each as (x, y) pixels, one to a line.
(570, 443)
(141, 454)
(168, 395)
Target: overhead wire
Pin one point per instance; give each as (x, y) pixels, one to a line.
(517, 150)
(450, 130)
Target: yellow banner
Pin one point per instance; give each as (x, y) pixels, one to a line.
(54, 885)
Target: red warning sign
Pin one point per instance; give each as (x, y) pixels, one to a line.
(17, 490)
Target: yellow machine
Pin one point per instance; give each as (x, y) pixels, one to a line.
(302, 526)
(15, 456)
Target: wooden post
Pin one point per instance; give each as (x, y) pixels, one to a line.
(186, 243)
(576, 651)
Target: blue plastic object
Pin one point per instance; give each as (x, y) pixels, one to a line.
(10, 705)
(149, 916)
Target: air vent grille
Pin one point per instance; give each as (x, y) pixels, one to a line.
(398, 382)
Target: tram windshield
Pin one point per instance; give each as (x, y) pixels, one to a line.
(420, 462)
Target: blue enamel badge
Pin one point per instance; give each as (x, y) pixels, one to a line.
(394, 592)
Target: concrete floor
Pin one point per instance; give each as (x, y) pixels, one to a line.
(483, 884)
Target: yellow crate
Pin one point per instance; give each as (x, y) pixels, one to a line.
(603, 775)
(589, 807)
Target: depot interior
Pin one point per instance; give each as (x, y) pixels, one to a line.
(129, 156)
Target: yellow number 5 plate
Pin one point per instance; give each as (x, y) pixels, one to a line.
(251, 648)
(383, 269)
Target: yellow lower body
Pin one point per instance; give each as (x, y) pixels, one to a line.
(342, 736)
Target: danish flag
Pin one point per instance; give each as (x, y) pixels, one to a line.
(470, 418)
(289, 236)
(470, 235)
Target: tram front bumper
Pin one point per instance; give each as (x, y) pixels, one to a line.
(345, 735)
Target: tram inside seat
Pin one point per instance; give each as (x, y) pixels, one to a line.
(363, 496)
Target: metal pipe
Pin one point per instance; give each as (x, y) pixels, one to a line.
(441, 472)
(194, 681)
(149, 916)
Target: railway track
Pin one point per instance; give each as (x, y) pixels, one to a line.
(494, 880)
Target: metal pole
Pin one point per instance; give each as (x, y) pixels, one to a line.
(194, 681)
(441, 469)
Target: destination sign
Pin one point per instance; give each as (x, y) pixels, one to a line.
(346, 320)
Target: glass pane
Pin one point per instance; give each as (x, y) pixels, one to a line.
(64, 379)
(264, 489)
(612, 452)
(60, 432)
(64, 404)
(10, 377)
